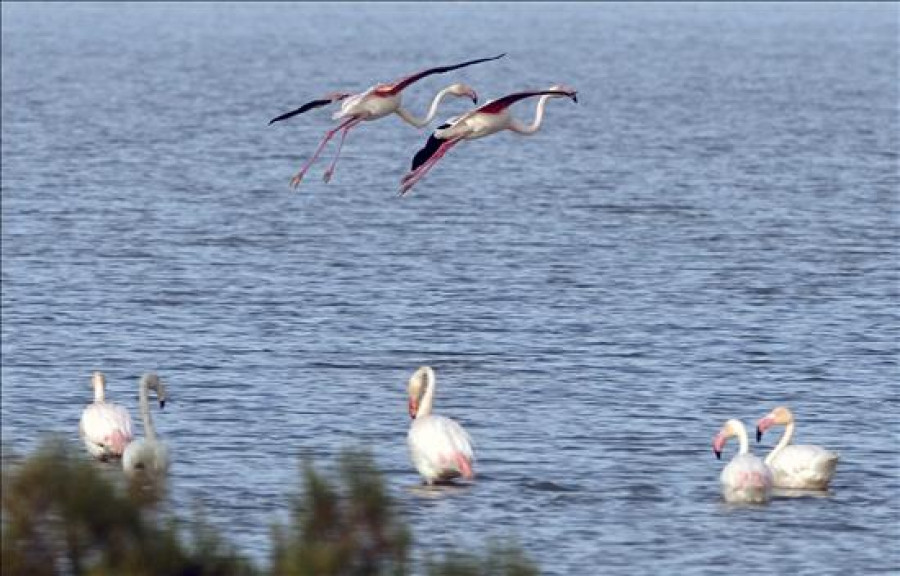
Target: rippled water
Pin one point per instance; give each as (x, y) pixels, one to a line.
(710, 232)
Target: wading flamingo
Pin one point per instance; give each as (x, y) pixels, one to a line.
(147, 455)
(377, 102)
(439, 447)
(746, 478)
(105, 427)
(803, 467)
(483, 121)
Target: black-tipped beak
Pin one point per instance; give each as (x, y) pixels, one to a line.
(575, 97)
(758, 434)
(474, 99)
(162, 404)
(718, 454)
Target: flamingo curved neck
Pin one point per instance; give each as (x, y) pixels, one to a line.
(99, 393)
(742, 439)
(149, 432)
(427, 397)
(528, 129)
(432, 111)
(782, 444)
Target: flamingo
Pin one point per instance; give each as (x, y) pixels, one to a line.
(105, 427)
(803, 467)
(147, 454)
(377, 102)
(490, 118)
(439, 447)
(746, 478)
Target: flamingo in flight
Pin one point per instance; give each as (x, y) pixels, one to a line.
(488, 119)
(377, 102)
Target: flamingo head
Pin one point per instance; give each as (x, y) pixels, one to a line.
(779, 416)
(418, 383)
(570, 92)
(154, 383)
(727, 431)
(464, 90)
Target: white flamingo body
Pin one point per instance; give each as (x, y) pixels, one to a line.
(377, 102)
(746, 479)
(800, 467)
(147, 455)
(369, 105)
(436, 444)
(439, 447)
(105, 427)
(491, 118)
(803, 467)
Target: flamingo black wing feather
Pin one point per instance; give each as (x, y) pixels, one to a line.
(403, 83)
(427, 151)
(495, 106)
(301, 110)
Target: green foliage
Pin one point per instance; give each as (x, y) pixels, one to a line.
(63, 514)
(353, 533)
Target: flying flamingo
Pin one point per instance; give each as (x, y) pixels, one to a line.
(488, 119)
(746, 478)
(439, 447)
(805, 467)
(105, 427)
(377, 102)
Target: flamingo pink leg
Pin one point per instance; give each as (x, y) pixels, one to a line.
(413, 177)
(295, 181)
(330, 171)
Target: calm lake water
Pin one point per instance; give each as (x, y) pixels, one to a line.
(710, 232)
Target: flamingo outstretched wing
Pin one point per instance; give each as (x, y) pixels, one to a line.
(504, 102)
(404, 82)
(309, 106)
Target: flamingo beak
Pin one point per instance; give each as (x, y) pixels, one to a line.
(718, 444)
(763, 425)
(474, 97)
(413, 408)
(575, 97)
(162, 404)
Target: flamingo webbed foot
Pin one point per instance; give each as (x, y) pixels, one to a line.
(326, 177)
(295, 181)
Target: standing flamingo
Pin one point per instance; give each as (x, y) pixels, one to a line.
(377, 102)
(488, 119)
(105, 427)
(147, 454)
(804, 467)
(439, 447)
(746, 478)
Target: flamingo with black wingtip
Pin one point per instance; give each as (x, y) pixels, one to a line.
(488, 119)
(377, 102)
